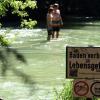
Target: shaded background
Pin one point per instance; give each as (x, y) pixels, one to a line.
(69, 9)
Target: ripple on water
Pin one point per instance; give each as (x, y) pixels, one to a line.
(18, 42)
(21, 92)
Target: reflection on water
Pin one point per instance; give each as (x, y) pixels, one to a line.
(46, 60)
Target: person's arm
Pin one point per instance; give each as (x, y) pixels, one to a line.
(50, 20)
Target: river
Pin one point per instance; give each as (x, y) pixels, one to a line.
(46, 61)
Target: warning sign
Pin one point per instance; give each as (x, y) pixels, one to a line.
(83, 62)
(81, 88)
(86, 88)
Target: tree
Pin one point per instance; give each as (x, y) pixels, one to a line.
(19, 7)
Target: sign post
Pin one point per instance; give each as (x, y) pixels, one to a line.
(84, 63)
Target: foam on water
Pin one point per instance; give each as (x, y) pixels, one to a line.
(18, 42)
(22, 32)
(21, 92)
(10, 36)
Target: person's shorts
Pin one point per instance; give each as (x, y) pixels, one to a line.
(56, 22)
(56, 29)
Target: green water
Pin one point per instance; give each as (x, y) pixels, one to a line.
(45, 60)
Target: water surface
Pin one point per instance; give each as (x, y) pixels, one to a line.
(45, 60)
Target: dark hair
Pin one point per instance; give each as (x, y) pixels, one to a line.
(56, 5)
(50, 9)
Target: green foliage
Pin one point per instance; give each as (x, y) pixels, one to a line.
(17, 7)
(3, 41)
(66, 93)
(28, 23)
(0, 25)
(2, 9)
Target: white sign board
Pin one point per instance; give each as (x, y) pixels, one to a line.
(83, 62)
(86, 88)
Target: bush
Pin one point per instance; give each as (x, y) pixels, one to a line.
(66, 93)
(19, 8)
(28, 23)
(0, 25)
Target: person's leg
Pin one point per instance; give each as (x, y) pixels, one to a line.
(53, 32)
(49, 35)
(57, 32)
(48, 38)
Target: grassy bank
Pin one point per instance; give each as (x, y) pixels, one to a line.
(66, 93)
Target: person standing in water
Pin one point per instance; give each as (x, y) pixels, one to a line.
(49, 23)
(56, 20)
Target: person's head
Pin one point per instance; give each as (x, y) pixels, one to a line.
(50, 10)
(56, 6)
(51, 5)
